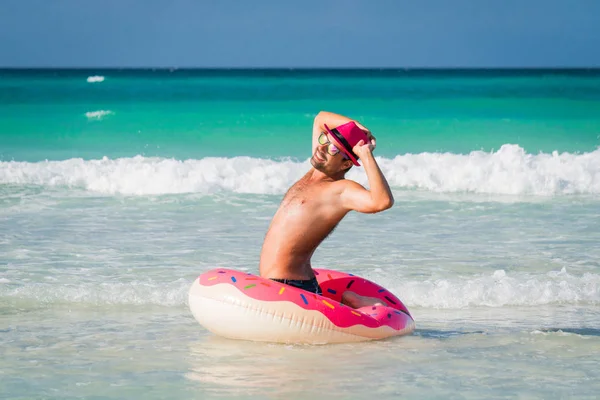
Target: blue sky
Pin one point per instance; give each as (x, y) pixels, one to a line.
(305, 33)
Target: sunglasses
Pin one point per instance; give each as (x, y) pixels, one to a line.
(332, 149)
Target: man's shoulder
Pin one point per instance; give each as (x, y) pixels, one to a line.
(345, 184)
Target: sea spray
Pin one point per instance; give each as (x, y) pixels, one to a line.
(509, 171)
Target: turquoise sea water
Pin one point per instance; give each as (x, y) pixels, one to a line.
(195, 114)
(118, 187)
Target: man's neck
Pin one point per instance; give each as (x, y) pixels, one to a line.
(319, 176)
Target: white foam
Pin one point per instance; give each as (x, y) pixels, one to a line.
(499, 289)
(509, 171)
(98, 114)
(95, 79)
(99, 294)
(502, 289)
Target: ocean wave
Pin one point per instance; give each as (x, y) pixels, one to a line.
(509, 171)
(100, 294)
(95, 79)
(501, 289)
(496, 290)
(98, 114)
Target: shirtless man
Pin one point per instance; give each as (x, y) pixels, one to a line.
(314, 205)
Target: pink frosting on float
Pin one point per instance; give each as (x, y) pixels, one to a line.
(333, 284)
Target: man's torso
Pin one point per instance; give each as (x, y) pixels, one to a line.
(308, 213)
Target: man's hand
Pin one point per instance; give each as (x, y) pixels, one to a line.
(362, 149)
(368, 132)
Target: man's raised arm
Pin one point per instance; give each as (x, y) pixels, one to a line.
(357, 198)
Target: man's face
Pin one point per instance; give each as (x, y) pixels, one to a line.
(328, 158)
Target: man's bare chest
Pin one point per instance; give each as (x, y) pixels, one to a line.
(303, 193)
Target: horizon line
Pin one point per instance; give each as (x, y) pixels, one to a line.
(576, 68)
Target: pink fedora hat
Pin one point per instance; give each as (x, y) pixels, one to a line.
(346, 136)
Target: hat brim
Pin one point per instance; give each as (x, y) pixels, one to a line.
(342, 147)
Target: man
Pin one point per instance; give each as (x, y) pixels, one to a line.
(314, 205)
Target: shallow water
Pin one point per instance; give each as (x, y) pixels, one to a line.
(94, 296)
(494, 252)
(159, 352)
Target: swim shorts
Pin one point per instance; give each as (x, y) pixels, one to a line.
(310, 285)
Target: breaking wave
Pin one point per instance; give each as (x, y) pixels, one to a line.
(509, 171)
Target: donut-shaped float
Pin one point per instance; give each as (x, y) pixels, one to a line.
(239, 305)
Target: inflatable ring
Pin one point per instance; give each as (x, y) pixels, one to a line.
(239, 305)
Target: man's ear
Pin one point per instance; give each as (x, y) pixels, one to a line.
(347, 164)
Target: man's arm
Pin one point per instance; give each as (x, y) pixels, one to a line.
(333, 121)
(357, 198)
